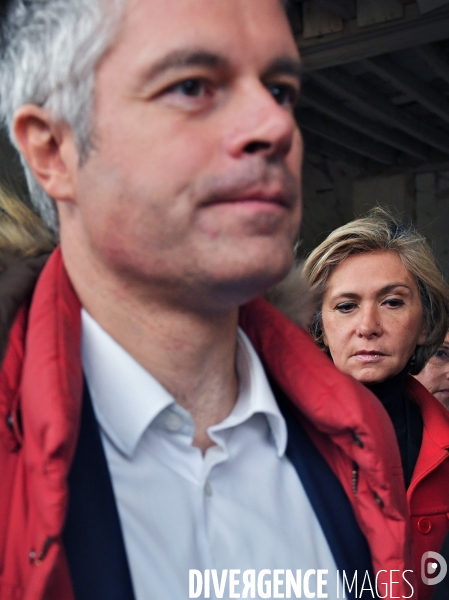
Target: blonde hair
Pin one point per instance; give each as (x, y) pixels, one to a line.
(381, 230)
(22, 233)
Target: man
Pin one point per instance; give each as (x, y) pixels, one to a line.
(164, 132)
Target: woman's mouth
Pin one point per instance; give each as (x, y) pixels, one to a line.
(369, 356)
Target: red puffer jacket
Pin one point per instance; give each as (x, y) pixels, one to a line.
(428, 493)
(40, 400)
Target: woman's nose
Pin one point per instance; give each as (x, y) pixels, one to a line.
(370, 323)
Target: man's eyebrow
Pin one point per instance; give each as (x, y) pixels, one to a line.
(285, 65)
(177, 59)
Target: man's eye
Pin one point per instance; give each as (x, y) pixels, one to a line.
(193, 88)
(345, 307)
(284, 94)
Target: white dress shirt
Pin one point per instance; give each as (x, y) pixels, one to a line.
(240, 506)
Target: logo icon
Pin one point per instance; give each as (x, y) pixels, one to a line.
(430, 574)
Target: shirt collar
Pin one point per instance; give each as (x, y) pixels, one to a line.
(255, 395)
(127, 398)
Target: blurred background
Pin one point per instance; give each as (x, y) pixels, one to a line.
(375, 113)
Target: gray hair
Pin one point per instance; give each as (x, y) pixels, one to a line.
(50, 52)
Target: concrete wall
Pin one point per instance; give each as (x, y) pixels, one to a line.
(335, 194)
(432, 213)
(395, 192)
(327, 200)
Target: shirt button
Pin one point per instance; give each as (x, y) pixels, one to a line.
(173, 422)
(208, 489)
(424, 525)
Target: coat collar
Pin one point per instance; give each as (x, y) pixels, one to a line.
(336, 405)
(52, 385)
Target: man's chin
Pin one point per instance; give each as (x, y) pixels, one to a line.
(253, 284)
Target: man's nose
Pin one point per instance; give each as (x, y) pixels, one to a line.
(369, 324)
(259, 125)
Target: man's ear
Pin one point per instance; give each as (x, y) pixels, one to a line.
(49, 149)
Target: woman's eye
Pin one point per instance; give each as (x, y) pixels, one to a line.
(345, 307)
(442, 353)
(394, 302)
(284, 94)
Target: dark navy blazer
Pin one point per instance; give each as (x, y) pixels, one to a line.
(93, 538)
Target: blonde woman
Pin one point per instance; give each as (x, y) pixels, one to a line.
(383, 312)
(26, 240)
(22, 233)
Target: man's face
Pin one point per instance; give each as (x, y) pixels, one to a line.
(194, 181)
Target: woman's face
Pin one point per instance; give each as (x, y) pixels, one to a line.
(435, 375)
(372, 316)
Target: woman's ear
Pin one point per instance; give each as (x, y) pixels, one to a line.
(49, 149)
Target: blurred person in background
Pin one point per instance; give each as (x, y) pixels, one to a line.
(25, 244)
(23, 234)
(383, 312)
(435, 375)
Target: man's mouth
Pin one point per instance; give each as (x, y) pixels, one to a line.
(276, 197)
(275, 188)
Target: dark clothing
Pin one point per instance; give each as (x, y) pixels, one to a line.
(100, 571)
(406, 418)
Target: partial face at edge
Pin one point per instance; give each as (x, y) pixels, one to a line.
(195, 178)
(372, 316)
(435, 375)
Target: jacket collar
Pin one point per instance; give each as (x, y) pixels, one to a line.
(52, 385)
(335, 404)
